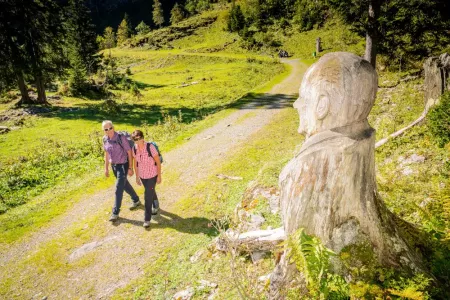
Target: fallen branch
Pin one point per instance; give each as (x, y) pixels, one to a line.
(257, 240)
(383, 141)
(222, 176)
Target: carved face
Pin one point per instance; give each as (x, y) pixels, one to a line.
(312, 105)
(336, 91)
(301, 106)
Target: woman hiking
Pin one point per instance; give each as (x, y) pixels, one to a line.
(147, 167)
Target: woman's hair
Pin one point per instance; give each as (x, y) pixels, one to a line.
(137, 134)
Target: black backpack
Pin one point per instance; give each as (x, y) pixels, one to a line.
(150, 152)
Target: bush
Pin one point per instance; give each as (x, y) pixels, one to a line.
(439, 120)
(110, 107)
(236, 19)
(7, 97)
(44, 167)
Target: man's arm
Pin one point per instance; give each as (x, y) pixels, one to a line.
(106, 164)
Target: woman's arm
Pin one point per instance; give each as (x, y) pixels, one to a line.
(158, 165)
(136, 171)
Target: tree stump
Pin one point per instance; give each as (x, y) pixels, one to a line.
(437, 74)
(318, 45)
(329, 188)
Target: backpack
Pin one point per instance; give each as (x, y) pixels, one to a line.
(150, 152)
(119, 140)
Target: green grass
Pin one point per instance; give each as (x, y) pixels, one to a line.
(214, 198)
(220, 83)
(335, 36)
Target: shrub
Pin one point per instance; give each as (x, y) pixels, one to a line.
(439, 120)
(236, 19)
(44, 167)
(110, 107)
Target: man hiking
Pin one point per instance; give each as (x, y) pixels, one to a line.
(118, 154)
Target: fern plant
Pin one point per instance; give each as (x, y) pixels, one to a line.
(312, 258)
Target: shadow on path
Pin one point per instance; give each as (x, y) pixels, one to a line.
(165, 219)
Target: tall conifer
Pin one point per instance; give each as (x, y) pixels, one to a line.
(81, 37)
(176, 14)
(32, 33)
(122, 32)
(158, 14)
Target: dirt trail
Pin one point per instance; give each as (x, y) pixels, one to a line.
(117, 255)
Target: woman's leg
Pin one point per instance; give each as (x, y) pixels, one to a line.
(149, 196)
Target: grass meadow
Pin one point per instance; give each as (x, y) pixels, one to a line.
(179, 95)
(54, 159)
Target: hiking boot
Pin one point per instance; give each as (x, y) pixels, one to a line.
(155, 210)
(113, 217)
(135, 205)
(146, 224)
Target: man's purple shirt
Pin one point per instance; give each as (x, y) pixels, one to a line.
(117, 154)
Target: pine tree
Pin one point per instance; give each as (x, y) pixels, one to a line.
(397, 27)
(81, 37)
(176, 14)
(142, 28)
(158, 14)
(129, 25)
(122, 32)
(33, 35)
(77, 75)
(236, 19)
(109, 38)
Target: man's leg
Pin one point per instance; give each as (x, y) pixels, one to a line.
(121, 177)
(128, 188)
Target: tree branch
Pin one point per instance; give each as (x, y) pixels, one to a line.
(383, 141)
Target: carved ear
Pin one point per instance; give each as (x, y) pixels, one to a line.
(323, 106)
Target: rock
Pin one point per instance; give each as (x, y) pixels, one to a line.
(184, 295)
(257, 256)
(416, 159)
(425, 202)
(264, 278)
(256, 221)
(86, 248)
(4, 129)
(220, 244)
(83, 250)
(194, 258)
(205, 283)
(407, 171)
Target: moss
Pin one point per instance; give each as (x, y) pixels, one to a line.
(359, 261)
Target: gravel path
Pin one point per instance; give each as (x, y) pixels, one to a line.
(117, 254)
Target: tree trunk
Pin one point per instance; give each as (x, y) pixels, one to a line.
(437, 73)
(42, 98)
(372, 33)
(23, 89)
